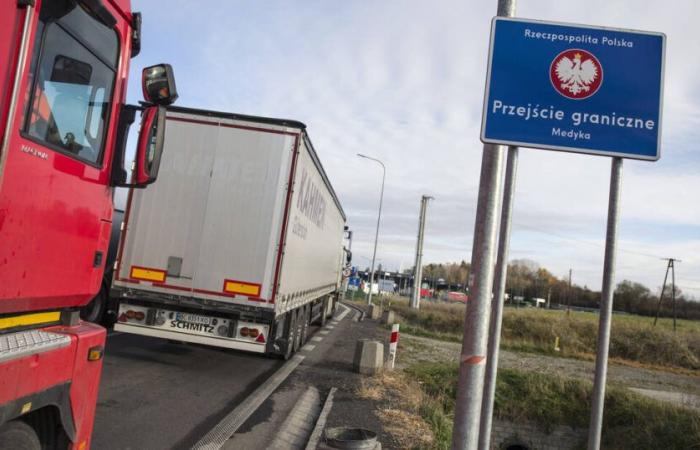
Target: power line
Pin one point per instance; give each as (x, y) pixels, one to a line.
(595, 244)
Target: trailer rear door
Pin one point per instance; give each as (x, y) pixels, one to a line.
(210, 226)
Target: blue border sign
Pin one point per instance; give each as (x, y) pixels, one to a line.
(574, 88)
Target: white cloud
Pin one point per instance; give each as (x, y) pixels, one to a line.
(403, 81)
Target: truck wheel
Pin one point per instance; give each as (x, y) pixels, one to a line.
(17, 435)
(95, 310)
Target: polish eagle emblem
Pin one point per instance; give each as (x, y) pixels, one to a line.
(576, 74)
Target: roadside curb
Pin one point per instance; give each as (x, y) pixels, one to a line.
(356, 308)
(300, 422)
(321, 422)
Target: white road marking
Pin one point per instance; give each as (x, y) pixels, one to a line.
(330, 327)
(324, 332)
(309, 347)
(316, 339)
(342, 315)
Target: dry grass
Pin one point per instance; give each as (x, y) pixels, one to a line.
(631, 421)
(401, 399)
(633, 339)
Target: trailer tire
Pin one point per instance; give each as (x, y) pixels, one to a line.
(324, 312)
(18, 435)
(290, 338)
(298, 317)
(306, 319)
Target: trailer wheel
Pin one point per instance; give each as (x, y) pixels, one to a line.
(18, 435)
(324, 312)
(306, 318)
(298, 317)
(291, 334)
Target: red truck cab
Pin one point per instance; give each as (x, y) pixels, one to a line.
(63, 79)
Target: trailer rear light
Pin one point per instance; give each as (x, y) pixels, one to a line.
(245, 331)
(254, 332)
(261, 338)
(222, 330)
(135, 315)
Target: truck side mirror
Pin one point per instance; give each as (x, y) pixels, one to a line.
(158, 84)
(150, 146)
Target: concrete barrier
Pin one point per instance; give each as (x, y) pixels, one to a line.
(375, 312)
(369, 357)
(388, 317)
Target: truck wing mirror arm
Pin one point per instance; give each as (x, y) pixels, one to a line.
(127, 116)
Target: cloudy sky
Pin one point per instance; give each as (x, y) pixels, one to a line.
(403, 81)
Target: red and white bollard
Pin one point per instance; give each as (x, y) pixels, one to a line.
(394, 343)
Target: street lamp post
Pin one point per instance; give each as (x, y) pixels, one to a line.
(379, 216)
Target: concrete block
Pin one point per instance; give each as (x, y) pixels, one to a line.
(375, 312)
(369, 357)
(388, 317)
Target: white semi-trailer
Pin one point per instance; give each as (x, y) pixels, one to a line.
(240, 242)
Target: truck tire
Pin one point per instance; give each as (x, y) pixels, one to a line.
(95, 310)
(17, 435)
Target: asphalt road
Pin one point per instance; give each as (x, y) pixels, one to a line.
(155, 394)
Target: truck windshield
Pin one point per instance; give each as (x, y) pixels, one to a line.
(73, 68)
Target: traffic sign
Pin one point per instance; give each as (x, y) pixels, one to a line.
(574, 88)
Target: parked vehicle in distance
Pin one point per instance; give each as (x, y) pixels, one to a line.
(239, 244)
(460, 297)
(64, 125)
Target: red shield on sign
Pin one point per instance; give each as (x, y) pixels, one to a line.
(576, 74)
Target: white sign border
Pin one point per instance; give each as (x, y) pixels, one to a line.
(563, 148)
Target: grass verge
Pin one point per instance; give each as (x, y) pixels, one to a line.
(633, 338)
(631, 421)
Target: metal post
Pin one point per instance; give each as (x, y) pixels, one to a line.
(376, 235)
(606, 304)
(418, 270)
(465, 434)
(499, 287)
(471, 371)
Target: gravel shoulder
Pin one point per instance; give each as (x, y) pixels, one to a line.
(419, 349)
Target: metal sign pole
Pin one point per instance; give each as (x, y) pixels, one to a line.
(606, 304)
(499, 287)
(470, 385)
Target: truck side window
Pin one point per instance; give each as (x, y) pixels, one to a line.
(74, 70)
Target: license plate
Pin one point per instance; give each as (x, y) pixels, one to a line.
(193, 318)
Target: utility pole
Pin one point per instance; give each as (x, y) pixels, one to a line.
(418, 270)
(568, 294)
(670, 267)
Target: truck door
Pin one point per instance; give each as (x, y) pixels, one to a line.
(55, 199)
